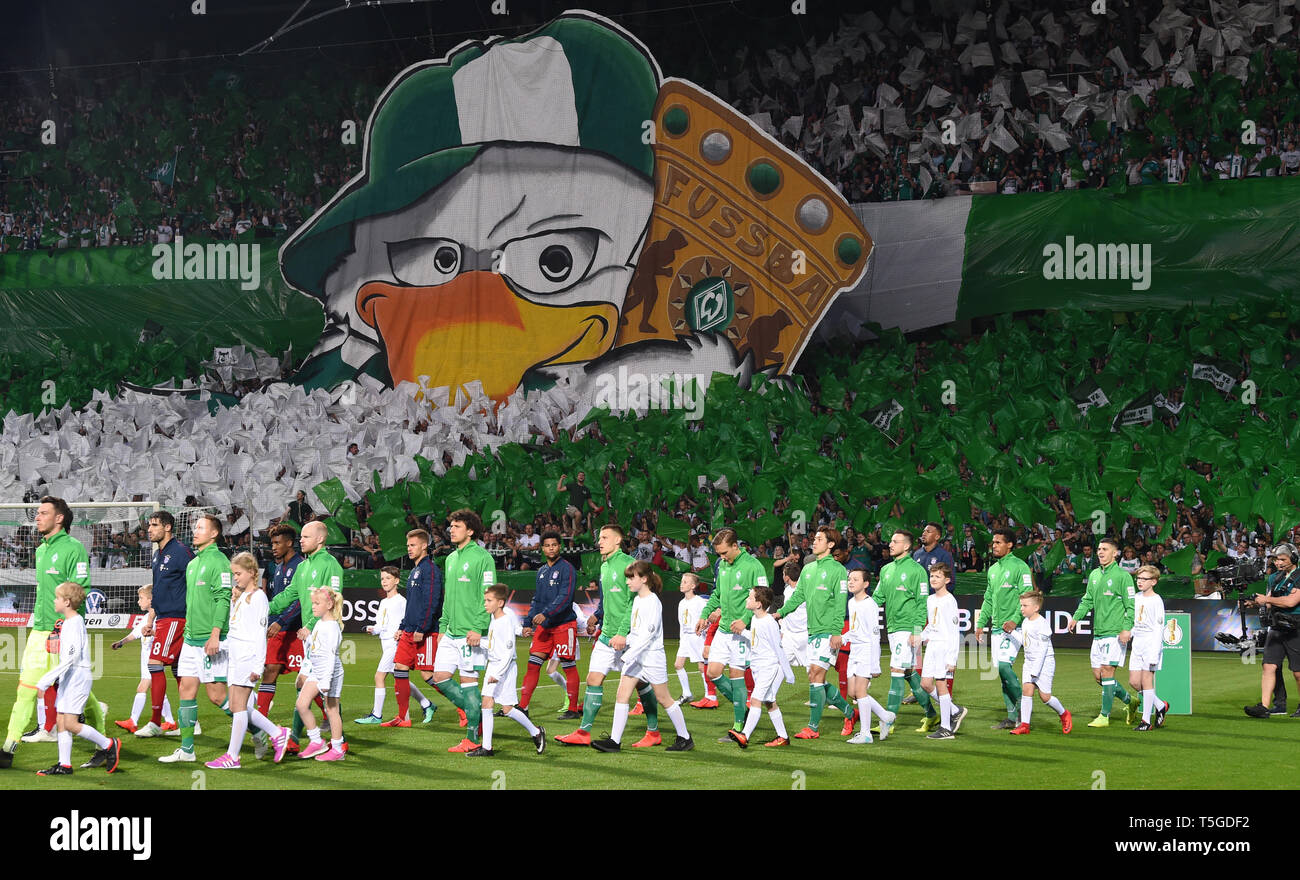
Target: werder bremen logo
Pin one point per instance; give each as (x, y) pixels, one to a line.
(709, 307)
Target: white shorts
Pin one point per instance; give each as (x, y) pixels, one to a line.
(796, 648)
(729, 649)
(692, 648)
(1146, 655)
(1042, 679)
(901, 653)
(1006, 645)
(146, 645)
(74, 690)
(389, 651)
(328, 682)
(505, 691)
(194, 663)
(819, 651)
(604, 659)
(651, 667)
(767, 682)
(938, 657)
(1106, 652)
(241, 665)
(860, 665)
(456, 654)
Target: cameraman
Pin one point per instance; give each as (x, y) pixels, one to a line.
(1282, 605)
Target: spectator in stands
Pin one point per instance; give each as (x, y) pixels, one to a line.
(579, 502)
(299, 510)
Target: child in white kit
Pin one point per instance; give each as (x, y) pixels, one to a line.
(691, 645)
(145, 599)
(768, 662)
(388, 620)
(74, 679)
(942, 634)
(500, 681)
(1040, 664)
(1148, 646)
(246, 660)
(864, 657)
(644, 659)
(325, 677)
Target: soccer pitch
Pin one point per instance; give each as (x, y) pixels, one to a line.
(1218, 747)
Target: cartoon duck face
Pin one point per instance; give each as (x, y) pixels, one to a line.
(521, 259)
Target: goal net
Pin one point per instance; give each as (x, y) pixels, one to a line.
(115, 535)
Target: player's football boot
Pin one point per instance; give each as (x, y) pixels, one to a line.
(56, 770)
(807, 733)
(128, 725)
(428, 713)
(331, 754)
(480, 752)
(149, 729)
(396, 722)
(651, 738)
(292, 747)
(862, 739)
(1133, 710)
(739, 738)
(681, 744)
(198, 728)
(605, 745)
(1020, 729)
(942, 733)
(777, 743)
(171, 728)
(6, 759)
(909, 700)
(886, 727)
(180, 756)
(570, 714)
(1144, 726)
(1100, 721)
(1005, 724)
(371, 719)
(959, 714)
(638, 709)
(539, 741)
(113, 754)
(312, 750)
(40, 735)
(463, 718)
(847, 729)
(225, 762)
(280, 742)
(1259, 710)
(930, 724)
(97, 759)
(261, 745)
(465, 745)
(705, 703)
(1161, 711)
(577, 738)
(1067, 722)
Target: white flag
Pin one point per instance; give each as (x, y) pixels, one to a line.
(1151, 55)
(793, 126)
(1117, 56)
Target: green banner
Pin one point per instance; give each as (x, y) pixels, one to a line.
(1218, 242)
(1174, 680)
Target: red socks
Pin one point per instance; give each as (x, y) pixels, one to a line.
(530, 684)
(50, 714)
(158, 693)
(571, 685)
(402, 685)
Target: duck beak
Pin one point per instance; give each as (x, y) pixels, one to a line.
(475, 327)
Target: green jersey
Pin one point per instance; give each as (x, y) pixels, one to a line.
(615, 598)
(1110, 595)
(1008, 578)
(60, 558)
(318, 570)
(902, 591)
(824, 586)
(735, 580)
(469, 572)
(207, 595)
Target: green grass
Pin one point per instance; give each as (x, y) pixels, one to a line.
(1218, 747)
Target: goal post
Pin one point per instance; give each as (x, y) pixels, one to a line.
(115, 535)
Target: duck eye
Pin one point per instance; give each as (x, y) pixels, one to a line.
(424, 262)
(549, 262)
(556, 262)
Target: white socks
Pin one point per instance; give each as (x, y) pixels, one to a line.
(1055, 705)
(261, 722)
(1148, 703)
(751, 721)
(419, 698)
(238, 727)
(778, 722)
(686, 684)
(556, 677)
(65, 748)
(489, 722)
(377, 708)
(867, 706)
(678, 720)
(1027, 708)
(137, 706)
(620, 721)
(522, 720)
(945, 711)
(314, 735)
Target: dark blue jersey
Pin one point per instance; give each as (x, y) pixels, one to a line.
(281, 574)
(169, 563)
(423, 598)
(928, 558)
(553, 598)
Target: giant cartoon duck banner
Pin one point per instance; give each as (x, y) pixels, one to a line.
(548, 207)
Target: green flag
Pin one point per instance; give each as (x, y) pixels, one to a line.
(1054, 556)
(1180, 563)
(672, 528)
(164, 173)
